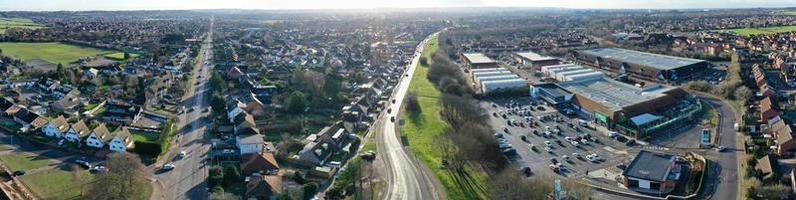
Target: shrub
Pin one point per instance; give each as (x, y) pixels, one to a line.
(147, 148)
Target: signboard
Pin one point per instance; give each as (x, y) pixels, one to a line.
(558, 189)
(706, 136)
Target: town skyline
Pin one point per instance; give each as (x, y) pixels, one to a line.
(96, 5)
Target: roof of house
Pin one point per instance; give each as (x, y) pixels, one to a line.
(663, 62)
(35, 120)
(765, 165)
(101, 131)
(251, 139)
(60, 123)
(123, 133)
(650, 166)
(263, 186)
(780, 130)
(253, 162)
(81, 129)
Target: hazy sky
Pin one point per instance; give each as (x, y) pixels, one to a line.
(48, 5)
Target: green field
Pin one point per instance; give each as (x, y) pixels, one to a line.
(52, 52)
(143, 137)
(757, 31)
(422, 134)
(58, 184)
(119, 56)
(25, 161)
(789, 12)
(22, 23)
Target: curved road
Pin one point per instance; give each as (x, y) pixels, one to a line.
(407, 178)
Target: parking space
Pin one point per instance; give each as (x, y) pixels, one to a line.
(541, 136)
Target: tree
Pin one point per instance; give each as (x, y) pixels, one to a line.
(61, 72)
(223, 196)
(309, 190)
(700, 85)
(510, 186)
(743, 94)
(298, 103)
(126, 56)
(412, 104)
(424, 61)
(123, 180)
(231, 175)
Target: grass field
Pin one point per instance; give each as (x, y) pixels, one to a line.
(22, 23)
(53, 52)
(789, 12)
(6, 147)
(25, 161)
(757, 31)
(58, 184)
(140, 136)
(120, 56)
(421, 134)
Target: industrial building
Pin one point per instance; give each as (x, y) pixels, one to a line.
(477, 61)
(531, 60)
(488, 80)
(636, 111)
(652, 173)
(642, 65)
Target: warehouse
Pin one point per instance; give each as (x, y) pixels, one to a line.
(531, 60)
(487, 80)
(515, 83)
(642, 65)
(477, 61)
(635, 111)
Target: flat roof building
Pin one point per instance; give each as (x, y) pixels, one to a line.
(633, 110)
(477, 60)
(652, 172)
(642, 65)
(535, 61)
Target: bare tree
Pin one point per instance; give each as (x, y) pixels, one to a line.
(122, 181)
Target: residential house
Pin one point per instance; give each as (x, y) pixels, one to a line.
(766, 166)
(783, 136)
(121, 139)
(57, 127)
(261, 163)
(125, 113)
(263, 186)
(767, 110)
(29, 120)
(77, 131)
(250, 143)
(319, 147)
(99, 136)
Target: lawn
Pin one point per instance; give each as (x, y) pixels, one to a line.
(52, 52)
(119, 56)
(421, 134)
(144, 137)
(58, 184)
(789, 12)
(22, 23)
(6, 147)
(25, 161)
(757, 31)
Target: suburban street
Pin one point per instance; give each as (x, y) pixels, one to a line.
(726, 185)
(188, 179)
(407, 177)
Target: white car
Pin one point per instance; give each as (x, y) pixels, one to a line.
(182, 154)
(168, 166)
(548, 149)
(548, 143)
(574, 143)
(565, 157)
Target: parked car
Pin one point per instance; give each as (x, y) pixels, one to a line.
(182, 154)
(98, 169)
(370, 155)
(83, 164)
(167, 167)
(227, 151)
(392, 119)
(18, 173)
(524, 138)
(527, 171)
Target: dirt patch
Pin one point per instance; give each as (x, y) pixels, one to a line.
(41, 65)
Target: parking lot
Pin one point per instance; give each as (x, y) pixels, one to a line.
(520, 120)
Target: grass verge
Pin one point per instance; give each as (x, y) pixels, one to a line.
(58, 184)
(25, 161)
(421, 135)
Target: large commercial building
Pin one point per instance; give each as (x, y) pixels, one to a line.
(490, 79)
(635, 111)
(642, 65)
(477, 61)
(535, 61)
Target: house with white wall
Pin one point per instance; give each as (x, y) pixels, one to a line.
(121, 139)
(98, 136)
(77, 131)
(56, 127)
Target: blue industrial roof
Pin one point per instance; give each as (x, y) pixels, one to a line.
(644, 118)
(659, 61)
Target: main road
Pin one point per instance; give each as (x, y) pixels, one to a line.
(407, 177)
(188, 179)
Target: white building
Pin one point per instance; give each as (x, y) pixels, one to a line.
(77, 131)
(56, 128)
(250, 143)
(121, 140)
(98, 137)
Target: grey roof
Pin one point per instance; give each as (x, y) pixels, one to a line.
(534, 56)
(650, 166)
(614, 94)
(553, 89)
(659, 61)
(478, 58)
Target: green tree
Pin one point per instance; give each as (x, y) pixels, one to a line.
(61, 72)
(297, 104)
(126, 56)
(309, 190)
(231, 175)
(123, 180)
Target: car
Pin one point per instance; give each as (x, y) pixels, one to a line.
(182, 154)
(392, 119)
(206, 110)
(98, 169)
(566, 158)
(370, 155)
(574, 143)
(584, 141)
(621, 166)
(548, 143)
(577, 155)
(527, 171)
(227, 151)
(19, 173)
(594, 158)
(503, 146)
(499, 135)
(510, 151)
(524, 138)
(506, 130)
(554, 161)
(389, 110)
(83, 164)
(720, 149)
(548, 149)
(190, 109)
(494, 114)
(630, 142)
(167, 167)
(61, 142)
(393, 100)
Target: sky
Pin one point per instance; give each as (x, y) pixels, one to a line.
(81, 5)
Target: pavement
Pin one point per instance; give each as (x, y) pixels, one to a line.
(188, 179)
(407, 177)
